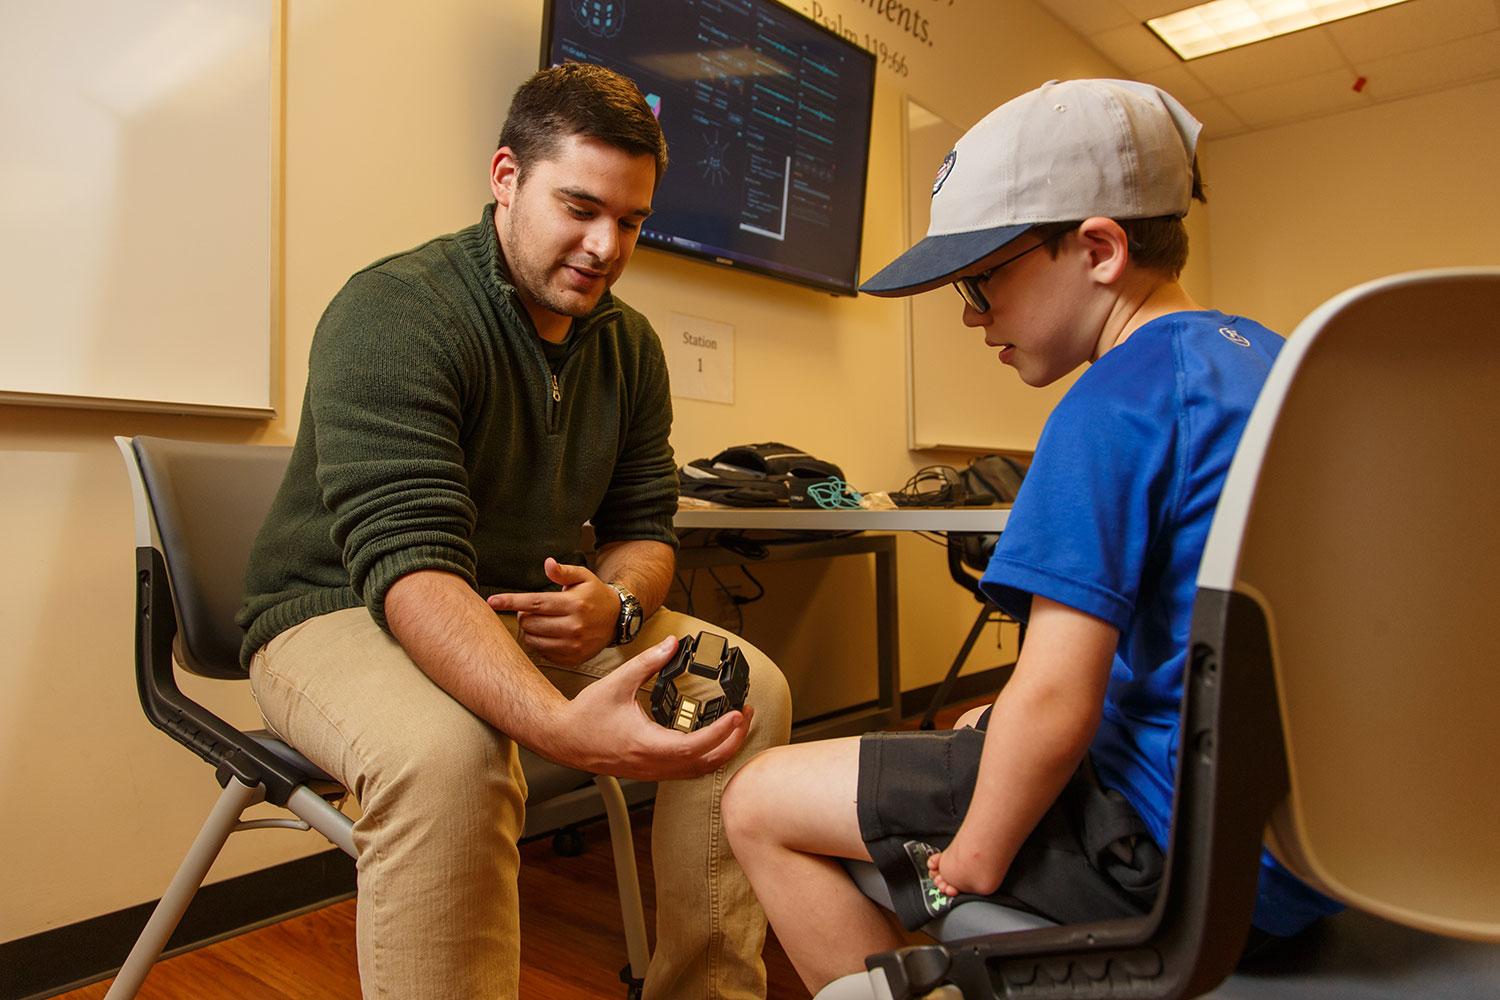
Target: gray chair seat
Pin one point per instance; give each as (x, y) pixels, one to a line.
(1350, 956)
(1356, 956)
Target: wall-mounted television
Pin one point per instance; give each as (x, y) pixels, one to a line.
(767, 119)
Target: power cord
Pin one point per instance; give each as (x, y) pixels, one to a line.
(733, 597)
(932, 486)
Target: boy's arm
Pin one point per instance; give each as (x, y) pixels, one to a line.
(1041, 726)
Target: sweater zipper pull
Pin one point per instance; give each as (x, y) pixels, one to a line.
(556, 392)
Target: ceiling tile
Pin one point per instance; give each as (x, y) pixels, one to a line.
(1412, 48)
(1144, 9)
(1323, 94)
(1134, 49)
(1276, 60)
(1088, 17)
(1178, 81)
(1408, 26)
(1218, 121)
(1465, 61)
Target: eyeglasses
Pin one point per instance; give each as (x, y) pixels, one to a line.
(969, 288)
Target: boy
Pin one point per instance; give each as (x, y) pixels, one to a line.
(1058, 797)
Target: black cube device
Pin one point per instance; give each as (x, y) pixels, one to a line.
(706, 655)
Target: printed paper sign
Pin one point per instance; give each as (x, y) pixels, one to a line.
(700, 358)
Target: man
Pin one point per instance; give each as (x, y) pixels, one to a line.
(1058, 219)
(469, 405)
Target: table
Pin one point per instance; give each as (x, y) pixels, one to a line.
(886, 711)
(990, 520)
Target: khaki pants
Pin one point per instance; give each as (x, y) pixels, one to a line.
(443, 803)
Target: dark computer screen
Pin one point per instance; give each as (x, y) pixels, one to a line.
(767, 119)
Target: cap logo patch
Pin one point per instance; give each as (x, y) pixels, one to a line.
(944, 171)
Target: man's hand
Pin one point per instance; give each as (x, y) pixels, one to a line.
(605, 730)
(456, 640)
(569, 626)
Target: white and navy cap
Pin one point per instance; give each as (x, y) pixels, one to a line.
(1064, 152)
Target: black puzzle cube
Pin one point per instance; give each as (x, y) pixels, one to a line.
(709, 656)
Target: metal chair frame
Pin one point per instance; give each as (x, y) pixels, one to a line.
(184, 617)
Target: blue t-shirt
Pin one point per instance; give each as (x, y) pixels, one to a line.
(1111, 520)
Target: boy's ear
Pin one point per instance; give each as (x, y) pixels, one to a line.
(1107, 246)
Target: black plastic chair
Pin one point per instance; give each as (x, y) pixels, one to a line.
(1000, 477)
(1342, 691)
(968, 555)
(198, 508)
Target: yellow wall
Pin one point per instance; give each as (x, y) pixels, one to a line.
(1305, 211)
(391, 114)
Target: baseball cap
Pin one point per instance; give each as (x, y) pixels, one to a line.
(1064, 152)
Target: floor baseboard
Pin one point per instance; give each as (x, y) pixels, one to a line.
(65, 958)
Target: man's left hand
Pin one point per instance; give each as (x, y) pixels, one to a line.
(569, 626)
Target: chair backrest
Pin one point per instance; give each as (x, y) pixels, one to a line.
(969, 553)
(198, 508)
(207, 503)
(1364, 508)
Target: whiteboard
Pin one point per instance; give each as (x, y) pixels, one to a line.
(959, 395)
(137, 203)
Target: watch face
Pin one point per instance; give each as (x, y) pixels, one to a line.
(630, 616)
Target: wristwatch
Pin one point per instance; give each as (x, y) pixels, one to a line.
(629, 625)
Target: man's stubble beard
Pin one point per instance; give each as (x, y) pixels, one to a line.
(534, 279)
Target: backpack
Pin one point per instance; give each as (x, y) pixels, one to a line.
(998, 476)
(752, 475)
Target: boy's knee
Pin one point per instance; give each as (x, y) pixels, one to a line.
(733, 804)
(746, 798)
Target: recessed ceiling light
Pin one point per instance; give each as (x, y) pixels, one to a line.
(1226, 24)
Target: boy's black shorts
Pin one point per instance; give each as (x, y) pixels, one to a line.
(1090, 857)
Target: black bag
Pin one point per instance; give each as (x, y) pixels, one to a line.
(752, 475)
(998, 476)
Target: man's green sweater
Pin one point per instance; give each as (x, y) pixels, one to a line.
(435, 435)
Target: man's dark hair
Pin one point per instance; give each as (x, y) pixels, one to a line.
(1157, 244)
(580, 99)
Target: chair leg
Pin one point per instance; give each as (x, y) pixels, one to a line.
(627, 879)
(325, 817)
(941, 697)
(221, 822)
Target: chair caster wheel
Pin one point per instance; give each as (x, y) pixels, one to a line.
(567, 842)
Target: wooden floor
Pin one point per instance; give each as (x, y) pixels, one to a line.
(572, 945)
